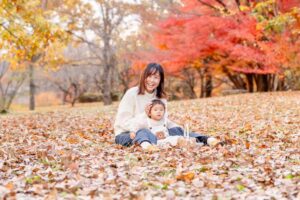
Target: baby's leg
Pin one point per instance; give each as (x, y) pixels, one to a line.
(173, 140)
(170, 140)
(206, 140)
(178, 131)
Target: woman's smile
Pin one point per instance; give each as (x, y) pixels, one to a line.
(152, 82)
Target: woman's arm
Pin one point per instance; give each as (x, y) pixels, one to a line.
(126, 114)
(136, 124)
(125, 111)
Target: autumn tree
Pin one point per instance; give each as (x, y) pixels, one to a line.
(76, 76)
(72, 82)
(29, 37)
(246, 41)
(99, 24)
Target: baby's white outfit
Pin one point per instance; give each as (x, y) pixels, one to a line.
(144, 122)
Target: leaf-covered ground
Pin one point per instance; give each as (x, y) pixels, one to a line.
(70, 153)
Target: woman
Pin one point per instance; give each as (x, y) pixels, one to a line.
(136, 102)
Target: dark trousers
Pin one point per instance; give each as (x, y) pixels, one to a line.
(145, 135)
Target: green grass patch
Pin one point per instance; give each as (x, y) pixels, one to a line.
(240, 187)
(33, 180)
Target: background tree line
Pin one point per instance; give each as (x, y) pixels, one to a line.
(93, 50)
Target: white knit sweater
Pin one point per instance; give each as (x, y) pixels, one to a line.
(131, 108)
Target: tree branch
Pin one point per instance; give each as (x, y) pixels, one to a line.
(208, 5)
(222, 3)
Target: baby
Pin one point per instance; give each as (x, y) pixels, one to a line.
(158, 124)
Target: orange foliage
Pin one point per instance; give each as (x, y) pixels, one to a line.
(223, 34)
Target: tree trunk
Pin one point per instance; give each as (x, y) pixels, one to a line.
(208, 84)
(250, 82)
(32, 88)
(106, 90)
(202, 85)
(190, 81)
(235, 79)
(202, 95)
(192, 92)
(265, 83)
(281, 86)
(75, 96)
(271, 79)
(109, 61)
(262, 82)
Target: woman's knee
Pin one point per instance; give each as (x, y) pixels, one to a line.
(176, 131)
(123, 139)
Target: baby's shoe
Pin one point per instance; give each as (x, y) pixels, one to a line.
(182, 142)
(211, 141)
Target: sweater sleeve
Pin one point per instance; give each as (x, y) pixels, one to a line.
(139, 122)
(125, 112)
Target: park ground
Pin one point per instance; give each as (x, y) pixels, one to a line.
(69, 153)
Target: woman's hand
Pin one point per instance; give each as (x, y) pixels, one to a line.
(148, 108)
(132, 135)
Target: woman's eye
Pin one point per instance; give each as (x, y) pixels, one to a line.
(154, 76)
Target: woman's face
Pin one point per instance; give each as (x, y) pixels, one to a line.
(152, 82)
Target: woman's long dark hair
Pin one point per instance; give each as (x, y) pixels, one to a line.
(150, 69)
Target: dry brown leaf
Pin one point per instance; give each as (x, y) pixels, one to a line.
(10, 186)
(186, 176)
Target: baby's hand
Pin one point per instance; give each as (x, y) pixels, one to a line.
(132, 135)
(147, 108)
(160, 135)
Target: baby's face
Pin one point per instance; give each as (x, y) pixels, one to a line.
(157, 112)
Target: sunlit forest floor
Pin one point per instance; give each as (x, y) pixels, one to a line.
(69, 153)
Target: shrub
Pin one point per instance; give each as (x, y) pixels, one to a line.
(90, 97)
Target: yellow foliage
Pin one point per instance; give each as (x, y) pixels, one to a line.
(244, 8)
(28, 31)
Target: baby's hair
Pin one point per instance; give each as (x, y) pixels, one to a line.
(156, 102)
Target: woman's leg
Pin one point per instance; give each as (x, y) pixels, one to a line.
(179, 131)
(124, 139)
(143, 135)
